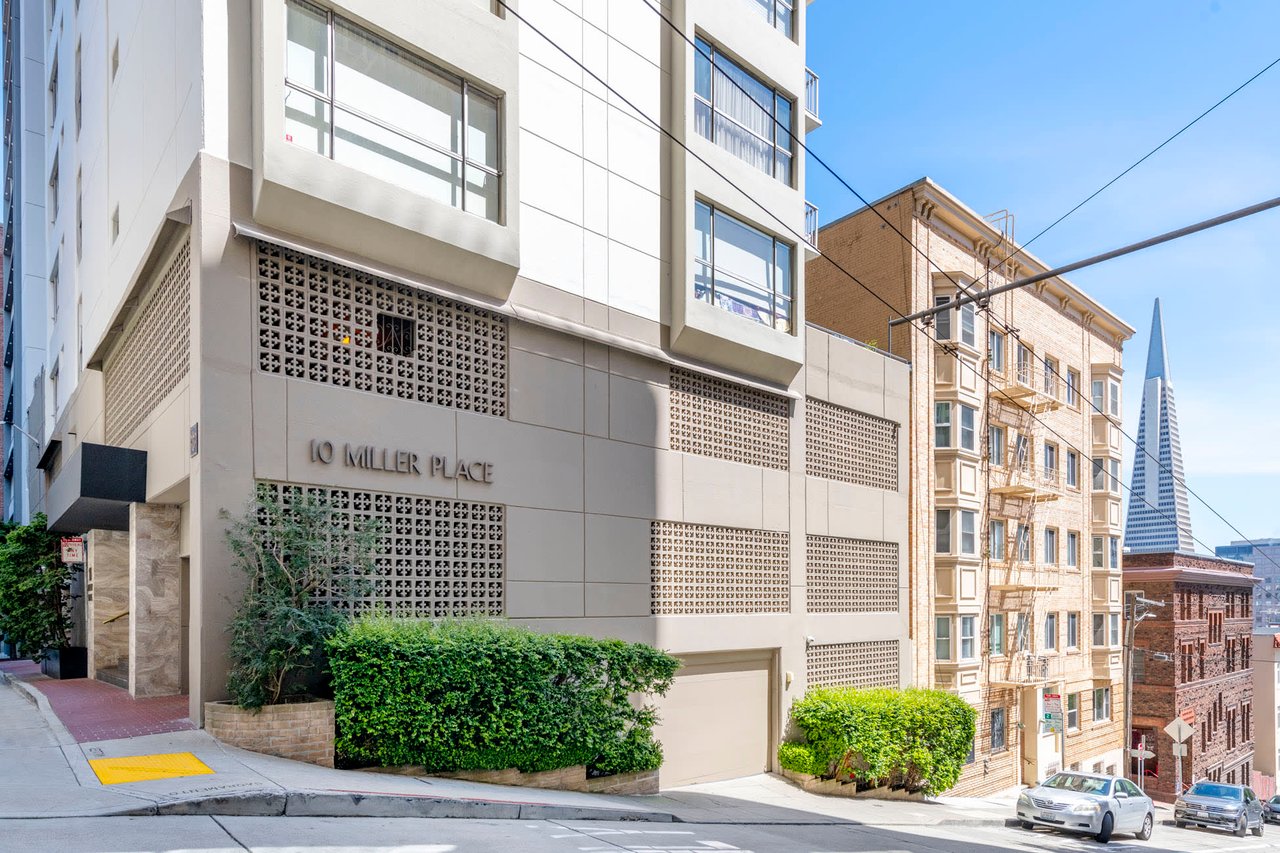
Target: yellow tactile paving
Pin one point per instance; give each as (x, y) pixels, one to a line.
(141, 768)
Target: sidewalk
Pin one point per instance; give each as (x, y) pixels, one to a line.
(46, 744)
(47, 773)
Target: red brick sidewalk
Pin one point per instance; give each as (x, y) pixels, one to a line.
(92, 710)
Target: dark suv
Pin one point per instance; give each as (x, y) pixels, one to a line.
(1215, 804)
(1271, 811)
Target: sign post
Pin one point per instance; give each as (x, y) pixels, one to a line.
(1053, 717)
(1179, 729)
(1142, 754)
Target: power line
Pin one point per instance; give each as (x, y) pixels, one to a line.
(667, 133)
(1008, 329)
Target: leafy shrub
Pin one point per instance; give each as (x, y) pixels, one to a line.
(475, 694)
(912, 739)
(799, 758)
(33, 589)
(297, 553)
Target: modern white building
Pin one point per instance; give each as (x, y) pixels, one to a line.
(431, 266)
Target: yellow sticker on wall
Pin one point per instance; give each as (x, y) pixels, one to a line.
(141, 768)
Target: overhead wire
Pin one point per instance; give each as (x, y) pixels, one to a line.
(984, 305)
(784, 225)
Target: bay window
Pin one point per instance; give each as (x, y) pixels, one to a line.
(942, 424)
(358, 99)
(742, 269)
(968, 642)
(740, 113)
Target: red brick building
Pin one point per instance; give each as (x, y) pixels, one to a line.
(1204, 637)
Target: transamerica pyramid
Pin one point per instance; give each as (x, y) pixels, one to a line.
(1159, 516)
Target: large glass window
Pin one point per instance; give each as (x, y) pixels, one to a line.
(779, 13)
(746, 117)
(742, 269)
(361, 100)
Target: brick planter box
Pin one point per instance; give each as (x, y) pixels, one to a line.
(565, 779)
(302, 731)
(832, 787)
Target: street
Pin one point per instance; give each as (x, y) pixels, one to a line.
(406, 835)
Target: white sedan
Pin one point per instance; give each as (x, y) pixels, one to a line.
(1088, 803)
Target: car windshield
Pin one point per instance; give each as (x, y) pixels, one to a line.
(1212, 789)
(1275, 801)
(1079, 784)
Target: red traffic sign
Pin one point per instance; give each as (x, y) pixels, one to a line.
(73, 549)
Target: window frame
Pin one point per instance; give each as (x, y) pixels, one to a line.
(942, 634)
(968, 532)
(1001, 743)
(997, 638)
(1073, 469)
(995, 351)
(1101, 702)
(1073, 549)
(1050, 539)
(466, 88)
(706, 50)
(939, 407)
(1073, 712)
(781, 306)
(968, 427)
(1073, 630)
(968, 637)
(997, 446)
(997, 541)
(1051, 631)
(1073, 388)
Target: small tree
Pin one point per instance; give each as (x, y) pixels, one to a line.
(299, 555)
(33, 589)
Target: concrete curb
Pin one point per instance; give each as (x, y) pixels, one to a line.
(37, 698)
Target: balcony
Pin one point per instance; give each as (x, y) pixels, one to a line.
(1024, 480)
(1025, 669)
(811, 120)
(1019, 386)
(811, 224)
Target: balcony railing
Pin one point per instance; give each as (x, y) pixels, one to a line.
(811, 224)
(811, 100)
(1025, 669)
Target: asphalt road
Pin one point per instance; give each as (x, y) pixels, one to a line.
(411, 835)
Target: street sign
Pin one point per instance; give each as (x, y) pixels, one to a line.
(1179, 750)
(73, 549)
(1144, 754)
(1188, 716)
(1179, 730)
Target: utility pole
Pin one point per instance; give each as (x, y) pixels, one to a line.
(1136, 608)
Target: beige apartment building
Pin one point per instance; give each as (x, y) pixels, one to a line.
(429, 267)
(1015, 575)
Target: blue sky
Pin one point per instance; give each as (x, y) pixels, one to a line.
(1032, 107)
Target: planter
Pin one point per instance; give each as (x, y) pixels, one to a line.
(68, 662)
(565, 779)
(836, 788)
(302, 731)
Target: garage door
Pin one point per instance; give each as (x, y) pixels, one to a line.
(715, 720)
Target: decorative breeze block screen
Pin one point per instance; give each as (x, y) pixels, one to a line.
(435, 556)
(712, 417)
(851, 575)
(855, 447)
(702, 569)
(328, 323)
(154, 355)
(873, 663)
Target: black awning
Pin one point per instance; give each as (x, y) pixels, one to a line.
(95, 487)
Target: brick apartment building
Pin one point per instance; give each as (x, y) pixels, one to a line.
(1204, 636)
(1015, 458)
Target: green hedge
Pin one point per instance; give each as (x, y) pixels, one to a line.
(471, 694)
(912, 739)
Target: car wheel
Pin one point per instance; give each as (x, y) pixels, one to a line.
(1148, 824)
(1257, 830)
(1026, 824)
(1242, 827)
(1108, 823)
